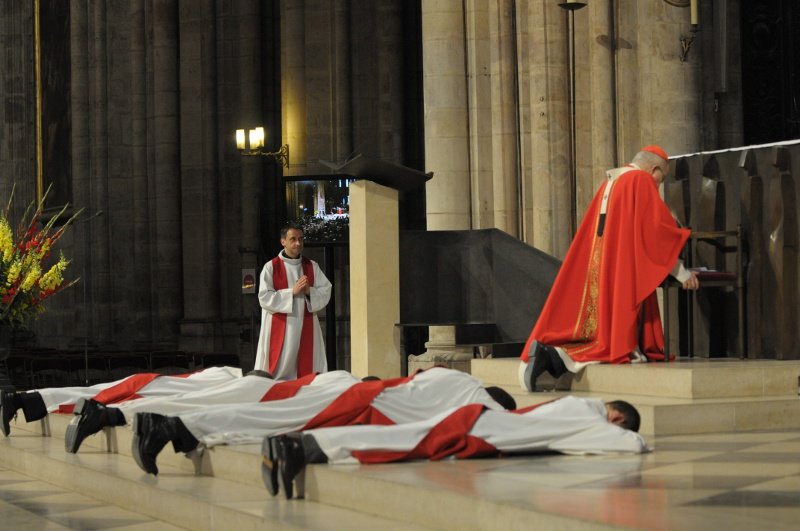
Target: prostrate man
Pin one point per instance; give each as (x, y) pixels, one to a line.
(92, 416)
(373, 402)
(602, 307)
(36, 404)
(292, 289)
(568, 425)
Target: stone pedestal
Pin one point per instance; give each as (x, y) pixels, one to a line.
(441, 350)
(374, 280)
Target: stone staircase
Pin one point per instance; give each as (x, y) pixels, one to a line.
(222, 488)
(683, 397)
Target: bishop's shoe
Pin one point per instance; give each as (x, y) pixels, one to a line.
(90, 417)
(538, 363)
(152, 432)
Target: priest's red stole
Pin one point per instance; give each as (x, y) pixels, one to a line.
(448, 437)
(305, 354)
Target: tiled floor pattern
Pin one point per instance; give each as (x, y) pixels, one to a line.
(728, 481)
(27, 504)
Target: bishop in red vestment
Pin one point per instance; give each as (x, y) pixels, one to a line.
(602, 307)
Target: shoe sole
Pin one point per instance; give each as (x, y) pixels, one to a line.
(269, 468)
(5, 423)
(529, 367)
(71, 436)
(135, 443)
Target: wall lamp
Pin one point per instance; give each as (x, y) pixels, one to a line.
(252, 145)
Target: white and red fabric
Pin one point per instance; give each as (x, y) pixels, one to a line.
(246, 390)
(290, 343)
(377, 402)
(63, 399)
(568, 425)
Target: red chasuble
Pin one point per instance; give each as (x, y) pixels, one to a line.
(305, 356)
(610, 274)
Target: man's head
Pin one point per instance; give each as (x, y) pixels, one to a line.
(292, 240)
(502, 397)
(654, 161)
(623, 414)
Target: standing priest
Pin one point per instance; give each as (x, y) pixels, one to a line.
(603, 307)
(292, 289)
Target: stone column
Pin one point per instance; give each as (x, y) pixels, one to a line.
(447, 151)
(199, 208)
(504, 107)
(165, 173)
(597, 146)
(446, 128)
(546, 149)
(98, 266)
(141, 301)
(293, 82)
(375, 290)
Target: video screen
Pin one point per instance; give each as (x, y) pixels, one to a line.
(323, 199)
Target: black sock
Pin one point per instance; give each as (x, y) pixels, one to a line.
(115, 417)
(312, 451)
(184, 441)
(33, 406)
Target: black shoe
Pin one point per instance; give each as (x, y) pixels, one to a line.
(269, 466)
(151, 433)
(90, 417)
(8, 410)
(538, 363)
(557, 366)
(291, 463)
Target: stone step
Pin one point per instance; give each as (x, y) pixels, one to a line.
(183, 499)
(690, 379)
(419, 495)
(664, 408)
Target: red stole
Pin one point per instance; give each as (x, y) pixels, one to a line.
(305, 354)
(128, 388)
(448, 437)
(608, 281)
(287, 389)
(354, 406)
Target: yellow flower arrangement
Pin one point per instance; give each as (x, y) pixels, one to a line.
(25, 282)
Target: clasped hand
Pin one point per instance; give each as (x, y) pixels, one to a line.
(301, 286)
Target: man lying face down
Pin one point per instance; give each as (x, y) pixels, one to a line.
(568, 425)
(393, 401)
(37, 403)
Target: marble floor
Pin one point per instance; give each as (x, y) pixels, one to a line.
(27, 504)
(730, 481)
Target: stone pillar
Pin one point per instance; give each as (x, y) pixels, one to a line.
(199, 208)
(293, 80)
(141, 299)
(375, 290)
(165, 173)
(447, 150)
(98, 262)
(597, 146)
(546, 149)
(446, 128)
(504, 108)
